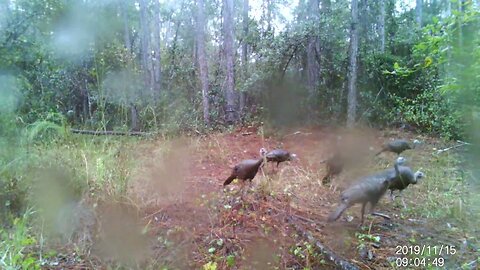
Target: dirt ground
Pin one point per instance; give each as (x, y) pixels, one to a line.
(193, 221)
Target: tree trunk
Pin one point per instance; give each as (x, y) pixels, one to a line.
(419, 8)
(381, 26)
(460, 26)
(4, 12)
(202, 60)
(449, 8)
(230, 97)
(313, 67)
(268, 15)
(244, 54)
(126, 26)
(352, 68)
(325, 47)
(145, 41)
(134, 118)
(157, 69)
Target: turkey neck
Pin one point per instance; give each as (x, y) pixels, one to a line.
(397, 171)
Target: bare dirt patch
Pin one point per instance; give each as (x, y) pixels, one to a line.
(193, 220)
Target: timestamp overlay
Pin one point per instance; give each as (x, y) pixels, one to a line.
(422, 255)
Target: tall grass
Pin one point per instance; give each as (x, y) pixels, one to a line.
(44, 169)
(15, 243)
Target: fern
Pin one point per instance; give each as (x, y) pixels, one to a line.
(44, 129)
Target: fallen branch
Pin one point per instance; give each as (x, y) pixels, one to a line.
(297, 133)
(109, 132)
(329, 254)
(453, 147)
(380, 215)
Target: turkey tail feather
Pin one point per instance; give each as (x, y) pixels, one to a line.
(229, 180)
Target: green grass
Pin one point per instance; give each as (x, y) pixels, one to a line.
(43, 170)
(16, 244)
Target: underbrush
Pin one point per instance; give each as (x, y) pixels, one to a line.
(52, 182)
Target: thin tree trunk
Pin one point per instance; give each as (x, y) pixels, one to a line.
(231, 108)
(145, 41)
(134, 118)
(419, 12)
(269, 16)
(352, 69)
(313, 66)
(157, 68)
(244, 53)
(325, 47)
(381, 26)
(302, 16)
(460, 26)
(202, 60)
(126, 26)
(4, 12)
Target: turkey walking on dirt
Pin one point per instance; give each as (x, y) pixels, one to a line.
(246, 169)
(334, 166)
(368, 189)
(398, 146)
(279, 156)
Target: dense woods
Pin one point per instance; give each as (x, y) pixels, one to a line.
(172, 68)
(148, 62)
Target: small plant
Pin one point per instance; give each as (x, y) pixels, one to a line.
(306, 252)
(230, 260)
(210, 266)
(15, 243)
(369, 237)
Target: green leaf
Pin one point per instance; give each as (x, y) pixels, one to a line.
(428, 61)
(210, 266)
(230, 260)
(396, 66)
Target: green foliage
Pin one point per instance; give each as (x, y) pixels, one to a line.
(432, 112)
(210, 266)
(431, 86)
(15, 244)
(44, 130)
(306, 253)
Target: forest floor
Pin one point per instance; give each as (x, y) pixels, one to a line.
(191, 221)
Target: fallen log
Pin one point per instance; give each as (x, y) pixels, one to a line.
(109, 132)
(329, 254)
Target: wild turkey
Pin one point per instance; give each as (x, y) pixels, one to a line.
(335, 163)
(279, 155)
(405, 177)
(247, 169)
(334, 166)
(398, 146)
(368, 189)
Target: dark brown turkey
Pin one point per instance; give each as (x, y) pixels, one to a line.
(334, 166)
(246, 169)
